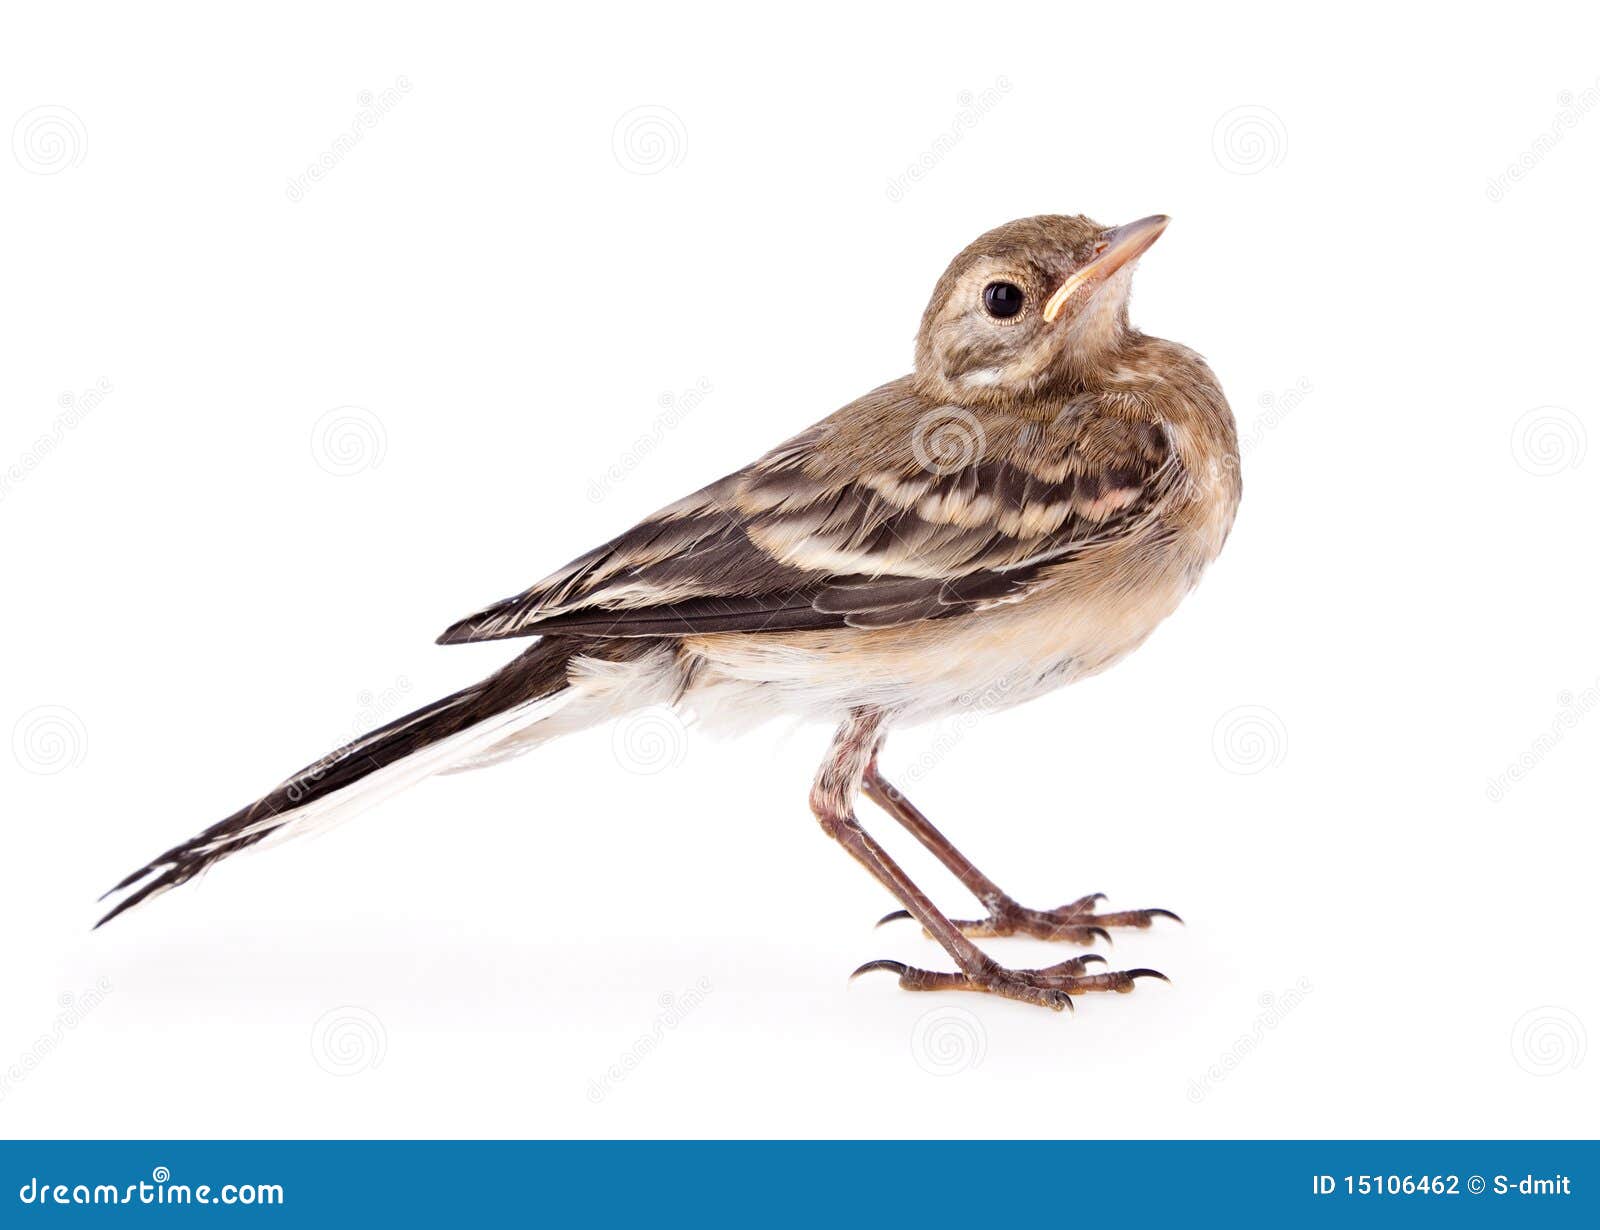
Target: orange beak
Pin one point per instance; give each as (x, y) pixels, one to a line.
(1117, 247)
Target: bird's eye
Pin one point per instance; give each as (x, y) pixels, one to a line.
(1002, 299)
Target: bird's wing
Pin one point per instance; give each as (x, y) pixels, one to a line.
(891, 511)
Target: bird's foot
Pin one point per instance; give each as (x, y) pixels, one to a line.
(1050, 987)
(1075, 923)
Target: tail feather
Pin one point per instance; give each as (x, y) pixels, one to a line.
(457, 727)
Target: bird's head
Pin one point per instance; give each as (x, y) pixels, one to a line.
(1036, 306)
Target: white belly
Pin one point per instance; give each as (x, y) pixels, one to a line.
(988, 660)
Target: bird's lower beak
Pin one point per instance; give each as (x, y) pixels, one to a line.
(1118, 247)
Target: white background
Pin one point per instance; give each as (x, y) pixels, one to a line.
(309, 427)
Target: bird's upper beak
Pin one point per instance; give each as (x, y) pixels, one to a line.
(1117, 247)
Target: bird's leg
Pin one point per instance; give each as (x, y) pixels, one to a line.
(832, 799)
(1075, 922)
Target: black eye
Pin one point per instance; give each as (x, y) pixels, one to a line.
(1002, 299)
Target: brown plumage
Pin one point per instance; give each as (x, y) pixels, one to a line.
(1018, 512)
(815, 535)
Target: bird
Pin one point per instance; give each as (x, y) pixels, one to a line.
(1017, 513)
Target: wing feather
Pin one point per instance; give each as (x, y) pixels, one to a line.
(843, 526)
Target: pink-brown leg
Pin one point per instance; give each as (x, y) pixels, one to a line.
(832, 799)
(1076, 922)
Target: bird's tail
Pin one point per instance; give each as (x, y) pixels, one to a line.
(478, 724)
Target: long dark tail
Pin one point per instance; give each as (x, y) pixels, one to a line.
(538, 674)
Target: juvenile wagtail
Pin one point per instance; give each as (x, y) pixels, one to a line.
(1019, 512)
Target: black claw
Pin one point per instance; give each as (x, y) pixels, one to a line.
(1166, 914)
(892, 916)
(1102, 933)
(1148, 973)
(1092, 956)
(898, 968)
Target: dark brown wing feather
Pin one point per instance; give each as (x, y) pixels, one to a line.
(853, 524)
